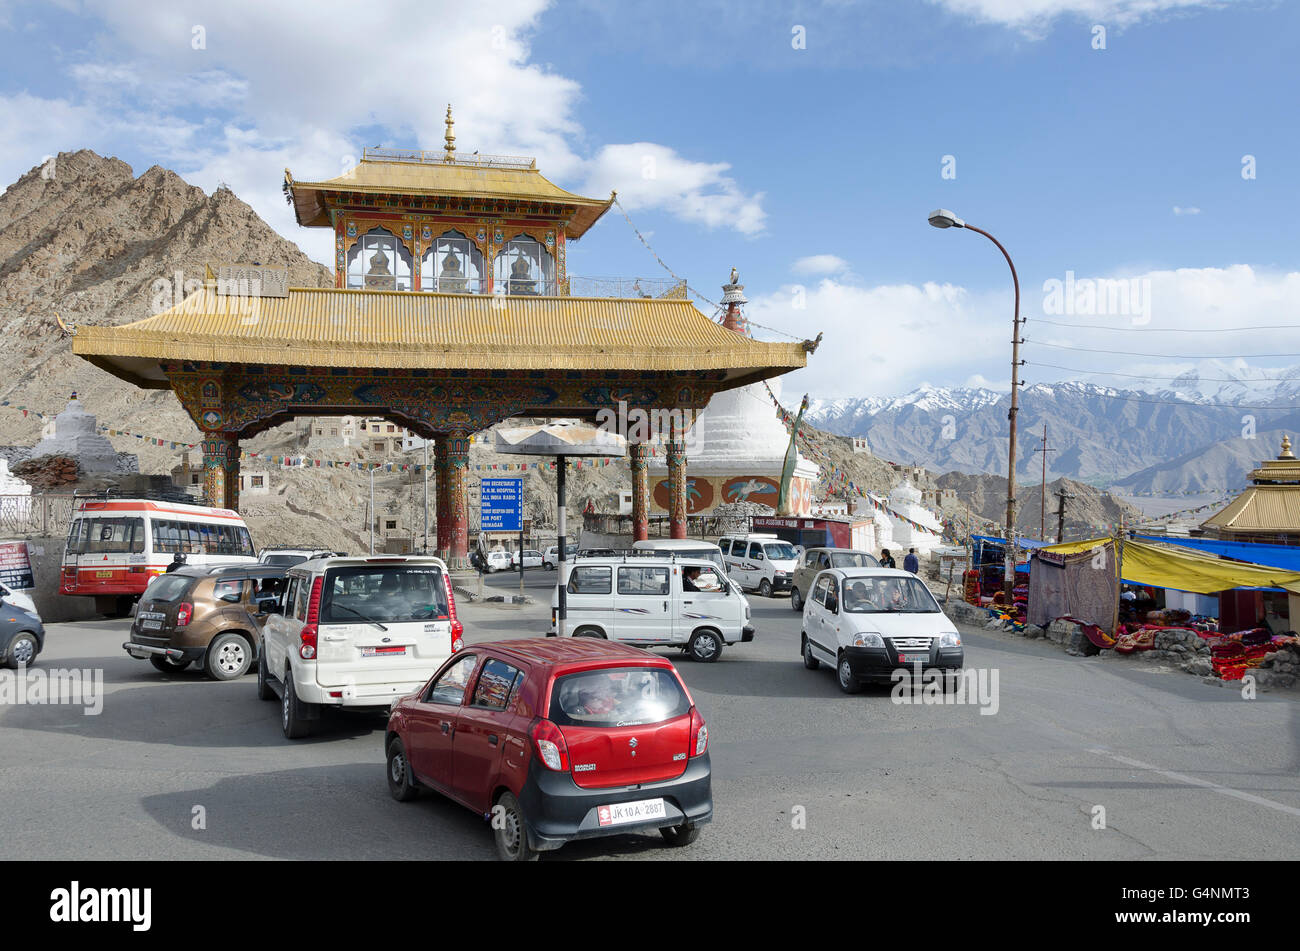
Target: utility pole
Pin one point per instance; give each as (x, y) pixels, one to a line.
(371, 508)
(1042, 495)
(1062, 496)
(425, 550)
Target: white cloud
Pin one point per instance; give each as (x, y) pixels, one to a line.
(1034, 17)
(820, 264)
(647, 175)
(888, 339)
(1179, 210)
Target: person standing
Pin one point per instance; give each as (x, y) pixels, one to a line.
(911, 562)
(886, 559)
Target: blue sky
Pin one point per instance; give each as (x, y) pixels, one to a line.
(810, 169)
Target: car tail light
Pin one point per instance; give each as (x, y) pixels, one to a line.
(307, 649)
(551, 746)
(699, 732)
(184, 613)
(457, 628)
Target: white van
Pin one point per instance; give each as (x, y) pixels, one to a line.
(682, 548)
(762, 563)
(355, 632)
(653, 601)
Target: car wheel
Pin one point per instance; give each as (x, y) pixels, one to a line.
(809, 661)
(264, 691)
(166, 664)
(705, 646)
(401, 784)
(678, 836)
(511, 831)
(548, 566)
(292, 721)
(844, 674)
(765, 588)
(22, 650)
(589, 632)
(229, 657)
(796, 600)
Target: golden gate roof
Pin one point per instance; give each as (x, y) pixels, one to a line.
(459, 179)
(413, 330)
(1261, 508)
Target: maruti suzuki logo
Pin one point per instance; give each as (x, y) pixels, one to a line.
(632, 742)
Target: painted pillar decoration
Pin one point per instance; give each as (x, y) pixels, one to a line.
(638, 455)
(442, 501)
(217, 475)
(676, 483)
(458, 492)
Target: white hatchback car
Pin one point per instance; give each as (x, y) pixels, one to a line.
(497, 560)
(868, 623)
(355, 632)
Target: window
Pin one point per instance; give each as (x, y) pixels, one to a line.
(290, 594)
(590, 579)
(643, 580)
(524, 267)
(854, 559)
(452, 265)
(384, 593)
(779, 551)
(109, 536)
(756, 551)
(196, 478)
(333, 432)
(259, 481)
(391, 429)
(378, 261)
(494, 684)
(450, 687)
(819, 590)
(228, 591)
(268, 588)
(888, 596)
(390, 525)
(167, 588)
(300, 609)
(623, 696)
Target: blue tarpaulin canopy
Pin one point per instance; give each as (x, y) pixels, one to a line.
(1274, 556)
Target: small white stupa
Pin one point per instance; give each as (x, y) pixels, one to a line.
(905, 500)
(75, 435)
(15, 495)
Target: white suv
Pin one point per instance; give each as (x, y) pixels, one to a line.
(762, 563)
(355, 632)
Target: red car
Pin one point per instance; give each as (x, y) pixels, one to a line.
(553, 739)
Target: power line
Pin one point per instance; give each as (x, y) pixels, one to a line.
(1169, 330)
(1148, 376)
(1168, 356)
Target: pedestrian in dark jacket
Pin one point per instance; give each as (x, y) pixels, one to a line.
(911, 562)
(886, 559)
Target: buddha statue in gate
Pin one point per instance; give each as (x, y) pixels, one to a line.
(521, 281)
(379, 276)
(451, 279)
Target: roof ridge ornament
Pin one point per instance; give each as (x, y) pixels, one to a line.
(1286, 452)
(450, 138)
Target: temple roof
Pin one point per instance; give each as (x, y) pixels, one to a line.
(1261, 508)
(329, 327)
(464, 177)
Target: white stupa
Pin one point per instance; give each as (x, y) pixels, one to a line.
(75, 435)
(905, 499)
(15, 495)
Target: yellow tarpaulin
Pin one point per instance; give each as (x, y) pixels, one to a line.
(1185, 569)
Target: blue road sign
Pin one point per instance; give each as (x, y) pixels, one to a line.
(501, 505)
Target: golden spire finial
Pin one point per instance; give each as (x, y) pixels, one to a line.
(1286, 448)
(450, 156)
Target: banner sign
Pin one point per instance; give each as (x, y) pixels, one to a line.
(15, 567)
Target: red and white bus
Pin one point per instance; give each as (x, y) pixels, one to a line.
(117, 546)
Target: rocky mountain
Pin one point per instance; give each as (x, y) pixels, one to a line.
(1100, 434)
(1214, 467)
(1091, 511)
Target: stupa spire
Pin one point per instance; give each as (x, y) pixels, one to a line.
(450, 138)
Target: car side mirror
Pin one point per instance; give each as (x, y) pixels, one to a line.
(269, 606)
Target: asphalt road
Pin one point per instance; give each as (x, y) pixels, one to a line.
(1181, 768)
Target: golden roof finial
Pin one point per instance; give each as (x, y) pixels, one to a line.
(450, 156)
(1286, 448)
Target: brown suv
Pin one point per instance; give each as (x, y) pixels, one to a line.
(209, 615)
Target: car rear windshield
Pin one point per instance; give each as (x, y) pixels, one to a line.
(385, 593)
(623, 696)
(853, 559)
(167, 588)
(283, 561)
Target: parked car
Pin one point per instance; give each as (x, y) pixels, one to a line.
(355, 633)
(758, 562)
(648, 601)
(532, 558)
(18, 599)
(497, 560)
(819, 559)
(867, 623)
(552, 556)
(22, 635)
(288, 557)
(554, 741)
(205, 615)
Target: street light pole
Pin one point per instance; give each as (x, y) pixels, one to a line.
(943, 218)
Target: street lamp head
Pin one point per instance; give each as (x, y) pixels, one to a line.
(943, 218)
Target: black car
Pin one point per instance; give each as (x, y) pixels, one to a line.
(22, 636)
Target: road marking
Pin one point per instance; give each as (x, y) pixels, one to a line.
(1205, 784)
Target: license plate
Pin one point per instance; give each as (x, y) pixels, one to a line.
(103, 574)
(624, 812)
(383, 651)
(151, 625)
